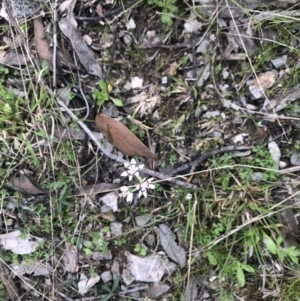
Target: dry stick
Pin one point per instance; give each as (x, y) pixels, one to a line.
(207, 155)
(120, 160)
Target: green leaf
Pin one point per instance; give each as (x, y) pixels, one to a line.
(281, 255)
(117, 102)
(103, 86)
(115, 284)
(247, 268)
(106, 288)
(166, 19)
(173, 8)
(88, 244)
(87, 251)
(292, 251)
(137, 248)
(143, 252)
(100, 97)
(107, 297)
(7, 109)
(293, 258)
(271, 246)
(240, 276)
(212, 259)
(105, 229)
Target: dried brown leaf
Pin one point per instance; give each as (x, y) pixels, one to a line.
(99, 9)
(95, 188)
(23, 184)
(67, 25)
(11, 58)
(121, 137)
(41, 44)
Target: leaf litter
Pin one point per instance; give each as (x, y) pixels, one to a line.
(143, 103)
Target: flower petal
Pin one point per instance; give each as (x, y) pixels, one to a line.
(124, 174)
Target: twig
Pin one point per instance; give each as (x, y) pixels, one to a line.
(120, 160)
(133, 290)
(192, 99)
(289, 170)
(201, 159)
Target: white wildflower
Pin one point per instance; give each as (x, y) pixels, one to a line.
(132, 169)
(144, 186)
(125, 192)
(189, 196)
(129, 197)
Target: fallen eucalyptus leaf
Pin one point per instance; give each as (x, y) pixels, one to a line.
(167, 239)
(121, 137)
(41, 44)
(67, 25)
(23, 184)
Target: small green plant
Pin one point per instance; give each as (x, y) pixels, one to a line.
(96, 244)
(297, 146)
(120, 242)
(143, 209)
(139, 249)
(261, 158)
(173, 159)
(168, 8)
(2, 292)
(283, 253)
(111, 292)
(102, 95)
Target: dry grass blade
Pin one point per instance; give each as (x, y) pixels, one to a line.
(121, 137)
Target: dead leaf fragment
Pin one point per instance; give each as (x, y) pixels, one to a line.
(19, 243)
(95, 188)
(167, 239)
(144, 103)
(41, 44)
(260, 135)
(66, 25)
(99, 9)
(23, 184)
(8, 282)
(11, 58)
(265, 80)
(274, 152)
(157, 289)
(172, 69)
(146, 269)
(69, 259)
(121, 137)
(85, 284)
(36, 268)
